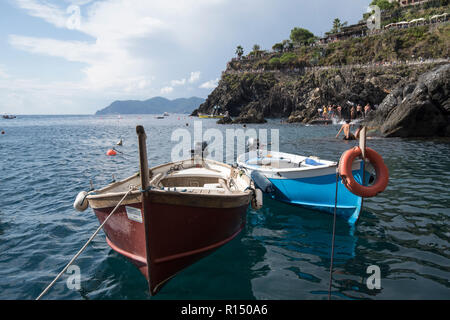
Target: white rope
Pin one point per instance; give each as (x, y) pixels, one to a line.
(84, 247)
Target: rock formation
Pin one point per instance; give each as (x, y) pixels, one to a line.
(416, 108)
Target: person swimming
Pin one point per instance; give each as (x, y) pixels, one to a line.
(348, 135)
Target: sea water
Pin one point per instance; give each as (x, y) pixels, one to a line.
(283, 252)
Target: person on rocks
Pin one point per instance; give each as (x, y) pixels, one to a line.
(359, 113)
(339, 111)
(367, 109)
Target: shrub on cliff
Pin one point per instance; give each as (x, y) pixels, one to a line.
(274, 62)
(301, 36)
(288, 58)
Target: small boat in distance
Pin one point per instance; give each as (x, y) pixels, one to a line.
(211, 116)
(173, 214)
(166, 114)
(6, 116)
(159, 117)
(214, 115)
(307, 182)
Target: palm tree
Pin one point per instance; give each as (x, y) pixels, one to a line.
(337, 25)
(239, 51)
(256, 50)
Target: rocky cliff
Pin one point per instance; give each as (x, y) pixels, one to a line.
(250, 97)
(373, 69)
(416, 108)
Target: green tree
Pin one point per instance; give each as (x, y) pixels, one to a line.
(385, 4)
(287, 45)
(337, 25)
(274, 62)
(256, 50)
(300, 35)
(239, 51)
(288, 58)
(278, 47)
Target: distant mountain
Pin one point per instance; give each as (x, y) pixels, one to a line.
(156, 105)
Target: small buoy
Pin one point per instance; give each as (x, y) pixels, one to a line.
(257, 201)
(111, 152)
(3, 132)
(187, 124)
(80, 203)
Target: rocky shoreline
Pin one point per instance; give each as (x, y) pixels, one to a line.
(251, 97)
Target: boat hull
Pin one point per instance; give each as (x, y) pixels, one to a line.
(318, 193)
(312, 186)
(182, 230)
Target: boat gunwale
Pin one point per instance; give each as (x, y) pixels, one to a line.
(218, 194)
(333, 164)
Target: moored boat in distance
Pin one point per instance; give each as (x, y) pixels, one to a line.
(307, 182)
(186, 210)
(166, 114)
(211, 116)
(214, 115)
(8, 116)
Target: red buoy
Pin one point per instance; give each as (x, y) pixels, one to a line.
(111, 152)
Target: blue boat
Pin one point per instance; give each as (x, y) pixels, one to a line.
(307, 182)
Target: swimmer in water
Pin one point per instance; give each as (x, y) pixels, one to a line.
(348, 135)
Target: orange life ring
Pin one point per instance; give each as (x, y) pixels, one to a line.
(345, 171)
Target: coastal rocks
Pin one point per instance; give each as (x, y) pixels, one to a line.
(251, 114)
(225, 120)
(416, 109)
(250, 97)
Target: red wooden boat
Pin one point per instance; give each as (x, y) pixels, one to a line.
(174, 215)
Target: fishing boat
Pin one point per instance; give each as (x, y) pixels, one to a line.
(165, 114)
(211, 116)
(308, 182)
(173, 214)
(6, 116)
(214, 115)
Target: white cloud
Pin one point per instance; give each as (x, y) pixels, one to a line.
(181, 82)
(166, 90)
(47, 11)
(131, 49)
(211, 84)
(195, 76)
(115, 26)
(3, 73)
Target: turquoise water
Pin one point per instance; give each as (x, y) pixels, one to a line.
(283, 253)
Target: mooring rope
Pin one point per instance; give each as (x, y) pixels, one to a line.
(85, 245)
(334, 233)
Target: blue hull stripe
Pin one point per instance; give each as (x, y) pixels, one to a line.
(318, 193)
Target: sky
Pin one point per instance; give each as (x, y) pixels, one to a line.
(78, 56)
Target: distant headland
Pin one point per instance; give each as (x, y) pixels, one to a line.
(156, 105)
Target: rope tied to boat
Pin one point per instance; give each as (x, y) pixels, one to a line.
(86, 244)
(334, 232)
(146, 189)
